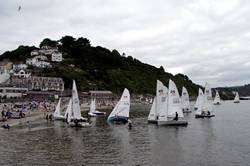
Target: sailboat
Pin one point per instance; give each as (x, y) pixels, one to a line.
(207, 108)
(159, 100)
(196, 103)
(92, 111)
(217, 100)
(78, 120)
(69, 113)
(199, 103)
(57, 114)
(237, 98)
(171, 112)
(120, 113)
(185, 101)
(152, 113)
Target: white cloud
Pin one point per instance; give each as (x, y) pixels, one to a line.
(204, 39)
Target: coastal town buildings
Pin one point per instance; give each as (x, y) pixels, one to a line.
(21, 73)
(46, 84)
(12, 92)
(56, 57)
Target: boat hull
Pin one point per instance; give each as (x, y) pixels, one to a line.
(186, 111)
(97, 114)
(118, 119)
(172, 123)
(80, 124)
(217, 103)
(236, 101)
(152, 121)
(59, 118)
(204, 116)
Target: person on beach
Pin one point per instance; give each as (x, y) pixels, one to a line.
(6, 126)
(3, 114)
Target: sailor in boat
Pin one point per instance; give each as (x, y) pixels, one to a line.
(76, 122)
(176, 116)
(208, 113)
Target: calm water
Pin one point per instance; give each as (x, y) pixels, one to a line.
(223, 140)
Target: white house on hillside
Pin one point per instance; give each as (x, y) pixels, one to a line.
(38, 62)
(56, 57)
(34, 53)
(22, 74)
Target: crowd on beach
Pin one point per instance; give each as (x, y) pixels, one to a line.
(22, 109)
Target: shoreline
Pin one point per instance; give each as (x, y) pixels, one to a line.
(23, 121)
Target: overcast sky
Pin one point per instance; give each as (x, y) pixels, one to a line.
(208, 40)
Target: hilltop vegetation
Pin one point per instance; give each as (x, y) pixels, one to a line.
(101, 69)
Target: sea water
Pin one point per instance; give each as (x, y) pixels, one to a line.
(222, 140)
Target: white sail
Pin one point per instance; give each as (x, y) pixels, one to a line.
(68, 114)
(236, 98)
(185, 99)
(199, 102)
(159, 96)
(123, 106)
(217, 98)
(174, 103)
(57, 112)
(163, 107)
(196, 102)
(152, 113)
(75, 103)
(208, 100)
(92, 106)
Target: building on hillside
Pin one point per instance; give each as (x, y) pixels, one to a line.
(101, 94)
(34, 53)
(5, 65)
(47, 50)
(20, 66)
(12, 92)
(56, 57)
(4, 76)
(22, 73)
(45, 84)
(38, 61)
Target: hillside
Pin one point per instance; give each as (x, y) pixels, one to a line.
(243, 90)
(99, 68)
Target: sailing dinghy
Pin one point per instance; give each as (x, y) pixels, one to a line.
(120, 113)
(171, 113)
(158, 102)
(185, 101)
(92, 111)
(217, 100)
(207, 107)
(78, 120)
(237, 98)
(57, 114)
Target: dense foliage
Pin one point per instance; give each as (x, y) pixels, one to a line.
(101, 69)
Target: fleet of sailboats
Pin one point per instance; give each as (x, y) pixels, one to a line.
(206, 109)
(167, 108)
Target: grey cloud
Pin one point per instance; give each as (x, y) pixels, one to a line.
(207, 40)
